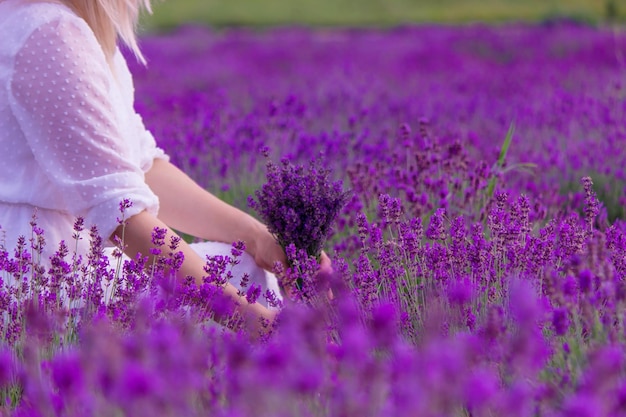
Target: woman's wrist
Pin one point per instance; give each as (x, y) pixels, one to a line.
(258, 320)
(264, 248)
(254, 239)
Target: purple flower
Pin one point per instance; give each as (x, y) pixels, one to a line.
(480, 389)
(585, 280)
(592, 205)
(238, 248)
(253, 293)
(436, 230)
(560, 321)
(136, 382)
(460, 292)
(6, 367)
(299, 206)
(67, 374)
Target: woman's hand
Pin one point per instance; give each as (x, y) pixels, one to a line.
(266, 250)
(325, 263)
(327, 268)
(137, 235)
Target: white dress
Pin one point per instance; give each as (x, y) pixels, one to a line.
(70, 140)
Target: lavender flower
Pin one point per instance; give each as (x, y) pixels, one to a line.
(299, 206)
(592, 205)
(426, 320)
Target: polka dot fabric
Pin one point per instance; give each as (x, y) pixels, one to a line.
(72, 143)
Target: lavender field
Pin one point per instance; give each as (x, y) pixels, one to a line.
(479, 265)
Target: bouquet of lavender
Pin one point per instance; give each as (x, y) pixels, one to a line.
(299, 206)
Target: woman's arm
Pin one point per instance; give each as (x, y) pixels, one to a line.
(188, 208)
(138, 239)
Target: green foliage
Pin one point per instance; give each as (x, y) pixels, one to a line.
(501, 159)
(237, 194)
(168, 14)
(608, 190)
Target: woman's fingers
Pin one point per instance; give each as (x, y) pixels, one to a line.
(327, 268)
(325, 263)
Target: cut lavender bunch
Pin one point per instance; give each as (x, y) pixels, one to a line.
(299, 205)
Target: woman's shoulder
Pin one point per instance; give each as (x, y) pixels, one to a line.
(19, 19)
(34, 11)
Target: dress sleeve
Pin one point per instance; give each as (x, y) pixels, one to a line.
(60, 94)
(149, 149)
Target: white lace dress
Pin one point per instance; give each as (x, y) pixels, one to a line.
(70, 140)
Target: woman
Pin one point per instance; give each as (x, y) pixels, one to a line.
(74, 146)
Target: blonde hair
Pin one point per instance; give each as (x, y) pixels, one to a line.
(112, 20)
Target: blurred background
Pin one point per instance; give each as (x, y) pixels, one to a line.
(171, 13)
